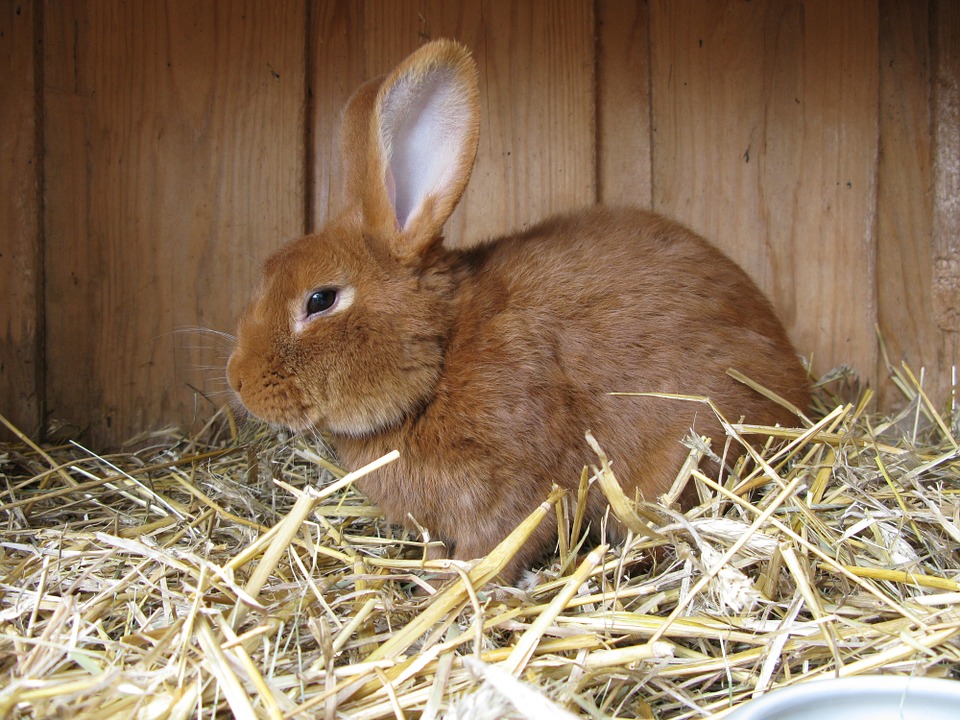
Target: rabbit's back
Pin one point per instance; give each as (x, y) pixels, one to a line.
(627, 300)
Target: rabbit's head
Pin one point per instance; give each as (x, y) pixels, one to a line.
(347, 329)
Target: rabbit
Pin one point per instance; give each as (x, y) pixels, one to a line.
(486, 366)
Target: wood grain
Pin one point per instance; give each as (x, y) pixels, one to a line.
(816, 142)
(624, 152)
(904, 216)
(946, 192)
(765, 140)
(946, 165)
(336, 67)
(174, 160)
(21, 321)
(535, 61)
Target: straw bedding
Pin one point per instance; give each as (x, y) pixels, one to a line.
(237, 574)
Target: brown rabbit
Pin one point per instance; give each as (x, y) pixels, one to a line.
(486, 367)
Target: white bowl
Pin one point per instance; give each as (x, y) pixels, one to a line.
(867, 697)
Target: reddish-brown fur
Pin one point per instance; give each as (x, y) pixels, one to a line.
(486, 367)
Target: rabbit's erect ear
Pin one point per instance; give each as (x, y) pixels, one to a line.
(355, 137)
(423, 141)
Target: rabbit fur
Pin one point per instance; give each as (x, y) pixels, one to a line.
(485, 367)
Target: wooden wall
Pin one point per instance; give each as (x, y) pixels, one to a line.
(21, 274)
(151, 154)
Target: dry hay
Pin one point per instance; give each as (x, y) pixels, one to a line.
(215, 578)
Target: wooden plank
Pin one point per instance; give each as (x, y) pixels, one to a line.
(21, 358)
(623, 104)
(537, 151)
(336, 67)
(918, 278)
(904, 209)
(946, 162)
(946, 190)
(174, 160)
(535, 60)
(765, 140)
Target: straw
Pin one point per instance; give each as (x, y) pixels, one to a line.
(237, 573)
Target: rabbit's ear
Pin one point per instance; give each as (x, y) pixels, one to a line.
(423, 141)
(355, 138)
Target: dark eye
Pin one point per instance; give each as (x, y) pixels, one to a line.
(321, 301)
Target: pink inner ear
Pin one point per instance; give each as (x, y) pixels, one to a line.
(426, 125)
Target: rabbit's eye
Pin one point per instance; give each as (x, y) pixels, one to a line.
(321, 301)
